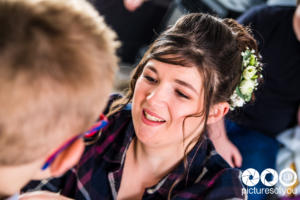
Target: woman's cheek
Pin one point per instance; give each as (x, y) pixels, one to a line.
(141, 86)
(193, 125)
(183, 111)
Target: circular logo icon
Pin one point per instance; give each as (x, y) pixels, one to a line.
(287, 177)
(250, 177)
(273, 173)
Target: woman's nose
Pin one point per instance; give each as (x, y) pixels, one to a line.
(159, 95)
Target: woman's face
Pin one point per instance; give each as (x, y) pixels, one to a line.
(164, 96)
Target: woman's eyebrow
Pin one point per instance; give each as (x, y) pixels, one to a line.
(185, 84)
(151, 68)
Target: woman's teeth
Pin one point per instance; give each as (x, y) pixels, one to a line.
(152, 118)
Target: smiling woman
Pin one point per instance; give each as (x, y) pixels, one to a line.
(184, 82)
(155, 146)
(164, 95)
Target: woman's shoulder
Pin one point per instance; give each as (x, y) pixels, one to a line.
(214, 178)
(221, 183)
(209, 184)
(226, 184)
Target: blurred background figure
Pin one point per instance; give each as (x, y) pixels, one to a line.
(138, 22)
(135, 22)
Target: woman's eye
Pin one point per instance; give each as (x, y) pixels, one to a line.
(181, 94)
(150, 79)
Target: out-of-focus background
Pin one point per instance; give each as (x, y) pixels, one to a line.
(137, 29)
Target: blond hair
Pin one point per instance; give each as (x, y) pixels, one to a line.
(57, 63)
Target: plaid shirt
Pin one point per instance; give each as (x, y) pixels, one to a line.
(99, 172)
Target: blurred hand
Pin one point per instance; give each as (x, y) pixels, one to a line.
(223, 145)
(42, 195)
(228, 151)
(132, 5)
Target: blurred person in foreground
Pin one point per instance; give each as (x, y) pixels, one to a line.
(57, 65)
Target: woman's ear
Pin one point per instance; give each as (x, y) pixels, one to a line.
(67, 159)
(217, 112)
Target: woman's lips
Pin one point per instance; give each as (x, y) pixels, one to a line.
(151, 118)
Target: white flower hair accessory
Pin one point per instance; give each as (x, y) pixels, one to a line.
(251, 69)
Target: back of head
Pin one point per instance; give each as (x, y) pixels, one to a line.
(57, 63)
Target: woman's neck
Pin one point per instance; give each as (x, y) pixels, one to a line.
(157, 161)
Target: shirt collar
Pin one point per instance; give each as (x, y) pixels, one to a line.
(196, 159)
